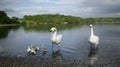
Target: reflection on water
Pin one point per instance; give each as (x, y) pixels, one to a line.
(56, 55)
(4, 30)
(44, 54)
(93, 55)
(74, 46)
(47, 27)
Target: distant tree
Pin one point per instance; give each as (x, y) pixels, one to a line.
(2, 14)
(60, 19)
(52, 18)
(4, 19)
(15, 18)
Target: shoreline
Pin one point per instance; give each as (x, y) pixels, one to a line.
(9, 24)
(41, 24)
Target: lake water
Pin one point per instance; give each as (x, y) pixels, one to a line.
(75, 48)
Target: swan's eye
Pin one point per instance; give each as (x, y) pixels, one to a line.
(50, 30)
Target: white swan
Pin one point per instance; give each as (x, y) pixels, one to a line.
(32, 49)
(93, 39)
(56, 39)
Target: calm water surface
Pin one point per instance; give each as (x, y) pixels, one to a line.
(74, 46)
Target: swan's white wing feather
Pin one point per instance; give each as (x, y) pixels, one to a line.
(94, 39)
(28, 49)
(58, 38)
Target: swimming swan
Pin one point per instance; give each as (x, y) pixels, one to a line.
(32, 49)
(44, 49)
(56, 39)
(93, 39)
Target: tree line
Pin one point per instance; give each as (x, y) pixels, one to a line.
(62, 19)
(4, 19)
(53, 19)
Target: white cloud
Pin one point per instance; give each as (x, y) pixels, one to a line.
(58, 1)
(8, 2)
(82, 8)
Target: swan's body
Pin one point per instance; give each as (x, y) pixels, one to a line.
(32, 49)
(93, 39)
(56, 39)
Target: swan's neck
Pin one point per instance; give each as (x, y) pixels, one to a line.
(54, 35)
(91, 31)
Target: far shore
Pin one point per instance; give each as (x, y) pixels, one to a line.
(46, 23)
(9, 24)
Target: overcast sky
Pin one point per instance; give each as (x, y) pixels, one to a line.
(81, 8)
